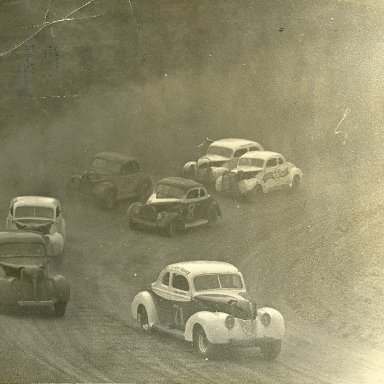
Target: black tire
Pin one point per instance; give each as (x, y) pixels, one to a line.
(213, 215)
(254, 195)
(142, 316)
(132, 225)
(270, 350)
(144, 191)
(295, 183)
(203, 346)
(60, 307)
(109, 200)
(172, 228)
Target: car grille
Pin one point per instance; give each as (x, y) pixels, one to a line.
(229, 182)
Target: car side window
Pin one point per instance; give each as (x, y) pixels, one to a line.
(165, 278)
(271, 163)
(240, 152)
(202, 192)
(193, 194)
(251, 149)
(280, 161)
(130, 168)
(180, 282)
(58, 211)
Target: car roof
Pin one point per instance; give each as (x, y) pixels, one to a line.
(114, 156)
(21, 237)
(36, 201)
(234, 143)
(201, 267)
(181, 182)
(261, 155)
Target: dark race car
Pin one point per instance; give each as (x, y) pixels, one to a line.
(113, 177)
(24, 277)
(176, 204)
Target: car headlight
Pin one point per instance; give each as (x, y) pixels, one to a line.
(159, 216)
(266, 319)
(230, 322)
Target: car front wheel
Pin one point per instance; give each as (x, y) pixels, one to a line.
(202, 345)
(270, 350)
(254, 195)
(171, 229)
(142, 316)
(60, 307)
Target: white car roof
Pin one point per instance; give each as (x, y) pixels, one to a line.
(35, 201)
(234, 143)
(261, 155)
(201, 267)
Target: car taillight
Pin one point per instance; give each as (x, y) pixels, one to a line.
(266, 319)
(230, 322)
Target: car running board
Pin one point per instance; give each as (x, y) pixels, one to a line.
(170, 331)
(42, 303)
(196, 223)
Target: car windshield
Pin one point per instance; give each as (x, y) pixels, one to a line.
(220, 151)
(258, 163)
(21, 250)
(105, 166)
(164, 191)
(27, 211)
(217, 281)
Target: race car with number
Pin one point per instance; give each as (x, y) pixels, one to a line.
(222, 155)
(175, 205)
(206, 303)
(112, 177)
(257, 173)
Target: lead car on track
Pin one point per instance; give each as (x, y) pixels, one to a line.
(206, 303)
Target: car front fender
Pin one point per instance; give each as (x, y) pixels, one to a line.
(295, 172)
(134, 209)
(246, 186)
(55, 244)
(145, 299)
(276, 327)
(213, 324)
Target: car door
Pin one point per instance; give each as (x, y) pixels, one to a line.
(192, 209)
(130, 178)
(181, 300)
(271, 173)
(163, 296)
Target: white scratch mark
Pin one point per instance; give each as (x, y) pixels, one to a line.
(47, 24)
(48, 10)
(343, 135)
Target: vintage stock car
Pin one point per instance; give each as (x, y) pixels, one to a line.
(39, 214)
(24, 277)
(206, 303)
(113, 177)
(257, 173)
(176, 204)
(222, 155)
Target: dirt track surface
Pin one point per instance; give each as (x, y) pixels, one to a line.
(107, 264)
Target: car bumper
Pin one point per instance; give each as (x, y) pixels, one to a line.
(33, 303)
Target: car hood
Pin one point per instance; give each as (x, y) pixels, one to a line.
(237, 304)
(214, 158)
(153, 200)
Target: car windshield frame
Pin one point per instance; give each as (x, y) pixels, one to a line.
(251, 162)
(22, 252)
(220, 282)
(105, 166)
(168, 191)
(219, 150)
(34, 211)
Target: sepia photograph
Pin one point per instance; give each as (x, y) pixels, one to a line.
(192, 191)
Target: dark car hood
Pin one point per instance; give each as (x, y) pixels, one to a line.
(43, 228)
(239, 305)
(25, 272)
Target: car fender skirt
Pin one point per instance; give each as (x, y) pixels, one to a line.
(276, 327)
(145, 298)
(213, 324)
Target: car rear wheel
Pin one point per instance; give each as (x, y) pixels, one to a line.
(110, 200)
(254, 195)
(270, 350)
(142, 316)
(202, 345)
(60, 307)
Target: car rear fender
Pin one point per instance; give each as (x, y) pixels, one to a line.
(276, 327)
(295, 172)
(213, 324)
(189, 170)
(145, 299)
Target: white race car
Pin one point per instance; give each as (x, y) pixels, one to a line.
(39, 214)
(206, 303)
(222, 155)
(257, 173)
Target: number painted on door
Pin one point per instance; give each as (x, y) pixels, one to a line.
(191, 211)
